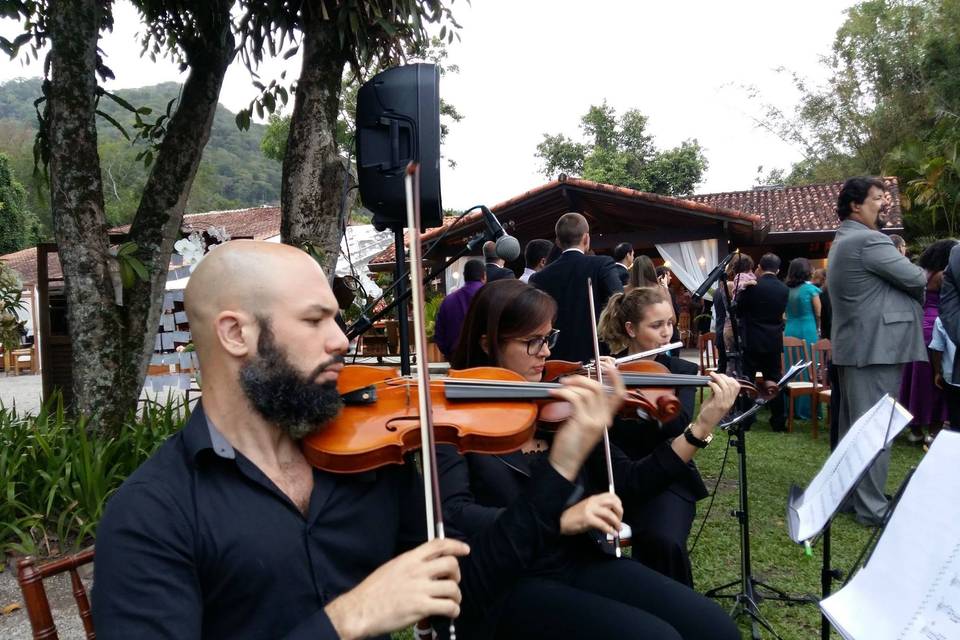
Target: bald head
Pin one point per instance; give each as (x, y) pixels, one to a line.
(248, 277)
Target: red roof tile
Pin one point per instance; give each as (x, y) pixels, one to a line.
(810, 207)
(258, 223)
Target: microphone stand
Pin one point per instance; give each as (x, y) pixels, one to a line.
(365, 321)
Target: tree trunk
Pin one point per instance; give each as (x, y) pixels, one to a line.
(313, 170)
(112, 344)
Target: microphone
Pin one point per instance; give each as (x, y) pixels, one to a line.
(713, 276)
(508, 247)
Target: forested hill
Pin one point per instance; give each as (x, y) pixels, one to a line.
(233, 173)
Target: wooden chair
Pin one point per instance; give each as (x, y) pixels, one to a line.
(794, 350)
(31, 577)
(686, 335)
(821, 352)
(24, 358)
(709, 355)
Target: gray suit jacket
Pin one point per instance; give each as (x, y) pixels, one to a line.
(876, 295)
(950, 303)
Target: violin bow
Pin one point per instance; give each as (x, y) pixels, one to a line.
(606, 431)
(428, 450)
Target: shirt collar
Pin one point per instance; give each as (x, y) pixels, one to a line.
(200, 434)
(577, 249)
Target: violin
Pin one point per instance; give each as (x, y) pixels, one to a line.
(651, 385)
(479, 410)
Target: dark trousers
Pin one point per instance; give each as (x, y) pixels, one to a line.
(836, 396)
(952, 395)
(611, 598)
(661, 526)
(770, 365)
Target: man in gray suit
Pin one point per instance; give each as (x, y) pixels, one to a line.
(950, 304)
(876, 294)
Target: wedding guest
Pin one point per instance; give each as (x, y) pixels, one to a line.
(917, 392)
(623, 255)
(642, 274)
(803, 316)
(877, 322)
(535, 256)
(454, 307)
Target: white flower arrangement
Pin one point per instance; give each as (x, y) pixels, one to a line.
(193, 247)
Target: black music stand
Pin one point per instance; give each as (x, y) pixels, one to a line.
(751, 590)
(828, 573)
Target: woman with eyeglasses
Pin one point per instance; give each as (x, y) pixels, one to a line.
(580, 589)
(638, 321)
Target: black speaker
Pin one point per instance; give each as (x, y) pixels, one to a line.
(398, 121)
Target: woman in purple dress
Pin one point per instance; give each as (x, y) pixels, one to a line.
(917, 391)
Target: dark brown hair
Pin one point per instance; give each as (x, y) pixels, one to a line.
(501, 310)
(623, 308)
(643, 273)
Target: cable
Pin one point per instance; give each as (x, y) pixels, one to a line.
(713, 496)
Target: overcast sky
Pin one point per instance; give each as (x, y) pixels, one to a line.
(534, 67)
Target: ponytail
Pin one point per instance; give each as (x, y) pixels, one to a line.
(623, 308)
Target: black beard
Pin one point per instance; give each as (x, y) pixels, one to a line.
(282, 395)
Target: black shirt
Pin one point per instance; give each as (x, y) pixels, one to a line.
(199, 543)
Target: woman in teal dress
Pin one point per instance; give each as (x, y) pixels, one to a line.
(803, 316)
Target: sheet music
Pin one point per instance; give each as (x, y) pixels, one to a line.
(820, 500)
(910, 588)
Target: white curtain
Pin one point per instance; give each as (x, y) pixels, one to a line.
(691, 261)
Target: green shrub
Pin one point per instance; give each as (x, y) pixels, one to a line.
(57, 474)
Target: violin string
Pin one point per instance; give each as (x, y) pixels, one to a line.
(606, 431)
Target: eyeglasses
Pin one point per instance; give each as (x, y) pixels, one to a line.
(535, 345)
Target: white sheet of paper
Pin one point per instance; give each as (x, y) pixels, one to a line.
(910, 587)
(166, 321)
(176, 295)
(168, 302)
(166, 339)
(180, 317)
(868, 435)
(158, 344)
(181, 336)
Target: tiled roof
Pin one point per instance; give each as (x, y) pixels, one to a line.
(24, 262)
(618, 205)
(810, 207)
(258, 223)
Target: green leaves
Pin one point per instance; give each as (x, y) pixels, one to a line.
(131, 268)
(620, 152)
(57, 473)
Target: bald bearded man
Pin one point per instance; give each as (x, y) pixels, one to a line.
(227, 532)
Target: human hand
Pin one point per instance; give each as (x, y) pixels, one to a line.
(415, 585)
(938, 380)
(591, 410)
(602, 511)
(724, 393)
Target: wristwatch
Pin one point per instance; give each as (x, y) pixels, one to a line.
(694, 440)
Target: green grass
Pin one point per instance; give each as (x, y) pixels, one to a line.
(774, 462)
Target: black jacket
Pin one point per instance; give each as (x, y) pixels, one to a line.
(760, 308)
(477, 488)
(640, 438)
(496, 272)
(565, 279)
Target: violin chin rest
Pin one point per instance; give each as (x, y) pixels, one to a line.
(364, 395)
